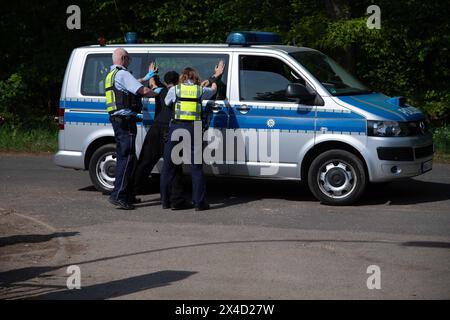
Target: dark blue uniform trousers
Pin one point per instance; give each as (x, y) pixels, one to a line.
(125, 133)
(169, 168)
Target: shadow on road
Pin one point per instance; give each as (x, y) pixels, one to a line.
(427, 244)
(119, 288)
(34, 238)
(402, 192)
(89, 188)
(406, 192)
(8, 278)
(225, 192)
(13, 278)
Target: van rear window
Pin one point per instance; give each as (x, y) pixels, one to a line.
(97, 67)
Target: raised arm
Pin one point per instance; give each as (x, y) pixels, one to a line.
(218, 71)
(152, 70)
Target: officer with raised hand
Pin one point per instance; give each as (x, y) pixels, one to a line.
(186, 99)
(124, 101)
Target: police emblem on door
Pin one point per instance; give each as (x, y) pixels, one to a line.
(270, 123)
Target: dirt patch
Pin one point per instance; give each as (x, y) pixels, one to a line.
(24, 241)
(32, 255)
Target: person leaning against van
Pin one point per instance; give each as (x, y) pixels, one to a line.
(186, 99)
(153, 146)
(123, 99)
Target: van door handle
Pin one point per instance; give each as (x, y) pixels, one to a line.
(216, 108)
(243, 109)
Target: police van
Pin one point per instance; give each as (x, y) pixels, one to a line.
(334, 132)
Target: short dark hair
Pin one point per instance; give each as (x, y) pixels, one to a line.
(171, 77)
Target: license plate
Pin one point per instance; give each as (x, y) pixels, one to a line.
(427, 166)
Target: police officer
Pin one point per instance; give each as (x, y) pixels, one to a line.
(186, 99)
(123, 99)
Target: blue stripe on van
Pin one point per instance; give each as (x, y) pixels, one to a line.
(329, 114)
(85, 105)
(269, 112)
(342, 125)
(285, 119)
(86, 117)
(280, 123)
(89, 117)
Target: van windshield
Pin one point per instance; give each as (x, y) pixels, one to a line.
(333, 77)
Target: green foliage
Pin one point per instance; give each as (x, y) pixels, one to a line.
(17, 139)
(441, 139)
(11, 95)
(436, 105)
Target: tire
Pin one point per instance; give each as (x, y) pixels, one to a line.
(102, 167)
(337, 177)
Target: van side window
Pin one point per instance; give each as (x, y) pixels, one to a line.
(97, 67)
(203, 63)
(265, 78)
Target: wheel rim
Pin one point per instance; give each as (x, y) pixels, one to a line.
(105, 170)
(337, 179)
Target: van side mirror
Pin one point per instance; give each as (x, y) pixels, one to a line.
(299, 92)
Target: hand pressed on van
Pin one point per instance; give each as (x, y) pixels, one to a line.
(218, 71)
(150, 77)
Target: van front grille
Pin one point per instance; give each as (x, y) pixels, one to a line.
(395, 153)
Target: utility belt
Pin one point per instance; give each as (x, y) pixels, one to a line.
(121, 118)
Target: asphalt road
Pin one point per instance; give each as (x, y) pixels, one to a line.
(260, 240)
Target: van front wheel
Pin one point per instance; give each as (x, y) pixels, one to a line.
(102, 168)
(337, 177)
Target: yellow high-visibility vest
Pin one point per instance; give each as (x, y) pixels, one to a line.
(110, 90)
(188, 104)
(117, 99)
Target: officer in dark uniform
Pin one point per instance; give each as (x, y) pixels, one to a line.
(186, 99)
(124, 101)
(153, 146)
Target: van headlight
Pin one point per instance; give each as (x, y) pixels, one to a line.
(384, 128)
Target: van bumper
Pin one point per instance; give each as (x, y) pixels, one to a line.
(69, 159)
(403, 157)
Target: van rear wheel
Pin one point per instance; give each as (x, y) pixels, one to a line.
(337, 177)
(102, 168)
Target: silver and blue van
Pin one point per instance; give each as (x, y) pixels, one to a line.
(333, 132)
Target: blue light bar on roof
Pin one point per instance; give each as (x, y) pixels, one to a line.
(131, 37)
(246, 38)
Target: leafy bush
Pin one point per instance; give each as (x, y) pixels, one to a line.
(437, 106)
(19, 139)
(441, 138)
(11, 97)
